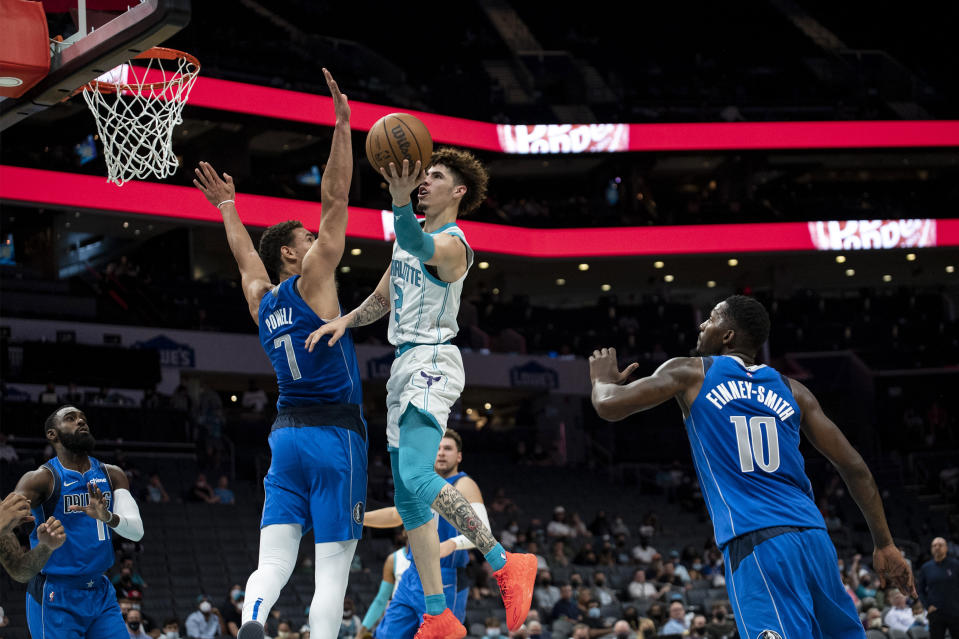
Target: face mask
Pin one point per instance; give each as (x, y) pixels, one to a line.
(514, 529)
(205, 607)
(135, 606)
(720, 615)
(282, 634)
(546, 582)
(576, 583)
(134, 625)
(622, 636)
(492, 632)
(600, 582)
(697, 566)
(594, 613)
(172, 634)
(347, 613)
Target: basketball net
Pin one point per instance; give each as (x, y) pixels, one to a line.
(137, 108)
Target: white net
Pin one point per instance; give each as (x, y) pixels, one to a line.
(136, 110)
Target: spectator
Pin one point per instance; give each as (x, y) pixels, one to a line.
(621, 630)
(180, 400)
(619, 527)
(135, 625)
(493, 629)
(233, 610)
(73, 395)
(171, 629)
(49, 395)
(7, 452)
(600, 527)
(501, 503)
(351, 623)
(254, 398)
(865, 589)
(720, 625)
(202, 491)
(643, 552)
(601, 592)
(669, 575)
(558, 526)
(125, 587)
(657, 614)
(920, 619)
(223, 492)
(900, 616)
(127, 569)
(678, 567)
(565, 608)
(580, 631)
(508, 535)
(676, 625)
(639, 589)
(577, 527)
(873, 620)
(621, 551)
(697, 628)
(938, 587)
(156, 493)
(593, 617)
(545, 594)
(204, 622)
(558, 558)
(631, 616)
(533, 549)
(535, 630)
(586, 555)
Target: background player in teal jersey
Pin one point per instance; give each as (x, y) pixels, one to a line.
(71, 597)
(406, 608)
(317, 475)
(743, 421)
(422, 288)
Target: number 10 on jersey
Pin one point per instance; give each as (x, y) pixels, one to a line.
(749, 437)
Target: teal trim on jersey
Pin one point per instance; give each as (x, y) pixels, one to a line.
(439, 316)
(402, 348)
(442, 228)
(432, 277)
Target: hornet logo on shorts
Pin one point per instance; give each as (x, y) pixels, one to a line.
(430, 379)
(769, 634)
(358, 513)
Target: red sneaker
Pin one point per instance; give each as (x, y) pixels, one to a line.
(441, 626)
(516, 581)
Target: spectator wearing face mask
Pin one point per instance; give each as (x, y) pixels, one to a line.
(601, 591)
(204, 622)
(545, 594)
(698, 626)
(621, 630)
(594, 619)
(535, 630)
(171, 630)
(720, 625)
(135, 625)
(351, 622)
(233, 611)
(493, 630)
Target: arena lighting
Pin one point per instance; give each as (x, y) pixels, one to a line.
(281, 104)
(73, 191)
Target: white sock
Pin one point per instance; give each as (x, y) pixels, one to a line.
(279, 545)
(333, 559)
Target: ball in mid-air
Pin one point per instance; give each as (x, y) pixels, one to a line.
(397, 137)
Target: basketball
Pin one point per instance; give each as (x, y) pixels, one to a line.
(397, 137)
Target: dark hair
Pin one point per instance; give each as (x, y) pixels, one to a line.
(170, 622)
(750, 320)
(275, 237)
(452, 434)
(52, 421)
(468, 171)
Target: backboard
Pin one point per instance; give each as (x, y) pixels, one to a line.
(85, 57)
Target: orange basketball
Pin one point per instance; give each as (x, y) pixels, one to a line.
(397, 137)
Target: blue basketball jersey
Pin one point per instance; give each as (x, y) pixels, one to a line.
(410, 588)
(88, 549)
(743, 430)
(325, 376)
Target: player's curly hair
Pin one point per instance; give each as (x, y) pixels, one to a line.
(750, 320)
(468, 171)
(452, 434)
(273, 239)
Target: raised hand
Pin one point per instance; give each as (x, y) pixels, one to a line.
(51, 534)
(334, 329)
(340, 104)
(14, 510)
(892, 569)
(97, 506)
(403, 183)
(603, 367)
(214, 188)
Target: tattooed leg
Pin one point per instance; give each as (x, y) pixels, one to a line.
(456, 510)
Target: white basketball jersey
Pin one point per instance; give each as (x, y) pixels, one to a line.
(400, 563)
(423, 308)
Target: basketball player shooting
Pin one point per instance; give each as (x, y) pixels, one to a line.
(70, 596)
(317, 476)
(743, 422)
(421, 292)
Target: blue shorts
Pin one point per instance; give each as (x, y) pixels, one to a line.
(74, 608)
(317, 478)
(401, 620)
(789, 584)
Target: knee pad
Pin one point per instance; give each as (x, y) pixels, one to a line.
(420, 437)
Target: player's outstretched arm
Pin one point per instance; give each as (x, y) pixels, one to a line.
(221, 193)
(442, 250)
(373, 308)
(378, 605)
(823, 433)
(614, 401)
(23, 566)
(387, 517)
(320, 262)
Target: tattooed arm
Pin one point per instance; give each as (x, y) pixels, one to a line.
(451, 504)
(373, 308)
(21, 565)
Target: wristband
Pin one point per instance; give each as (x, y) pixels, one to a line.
(226, 202)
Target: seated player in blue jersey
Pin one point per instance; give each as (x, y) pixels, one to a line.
(70, 596)
(19, 564)
(421, 292)
(317, 475)
(406, 608)
(743, 421)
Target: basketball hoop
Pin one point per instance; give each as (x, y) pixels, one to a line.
(136, 109)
